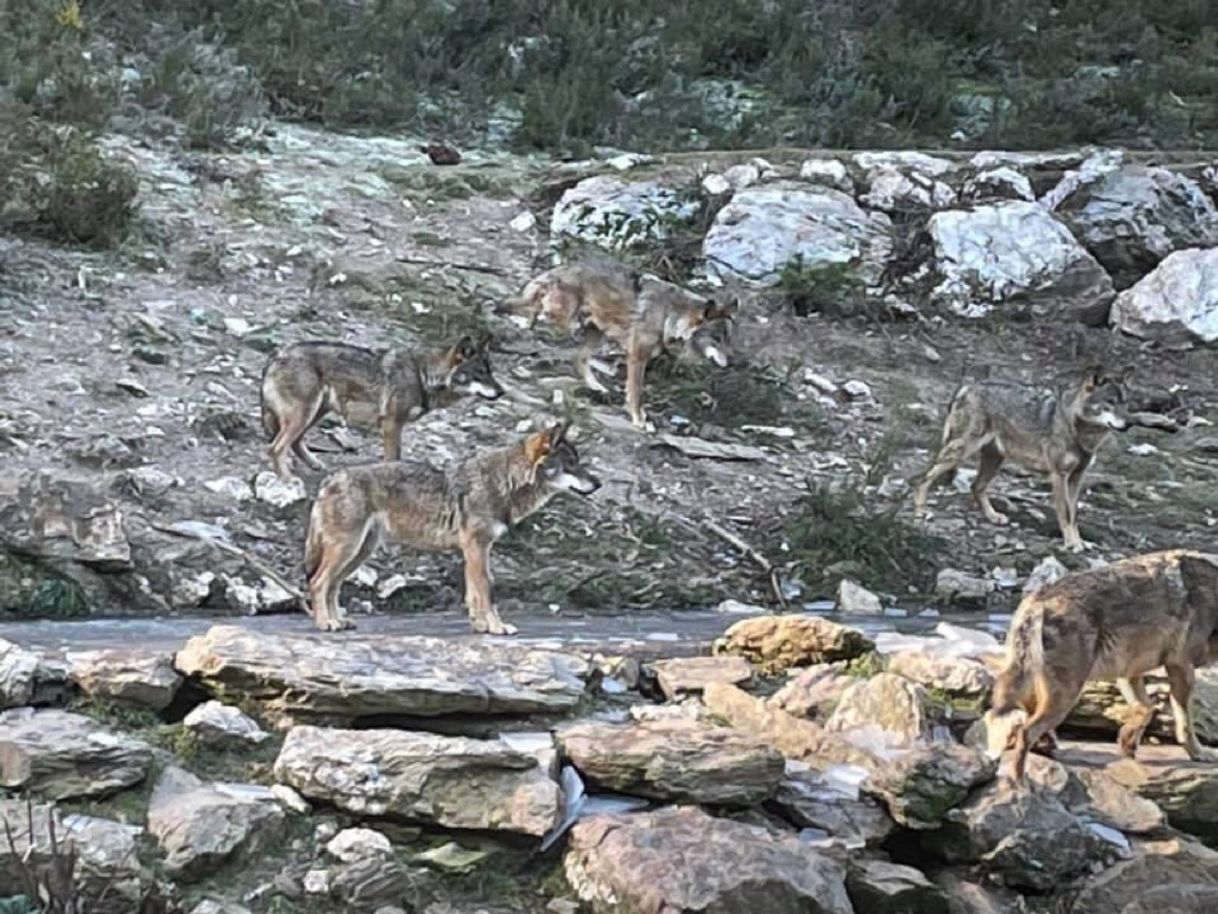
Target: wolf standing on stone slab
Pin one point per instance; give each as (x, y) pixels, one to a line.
(369, 389)
(465, 509)
(1055, 432)
(640, 313)
(1120, 621)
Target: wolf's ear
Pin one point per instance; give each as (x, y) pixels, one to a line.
(537, 446)
(718, 310)
(463, 349)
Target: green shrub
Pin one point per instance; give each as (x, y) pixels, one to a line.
(55, 182)
(832, 289)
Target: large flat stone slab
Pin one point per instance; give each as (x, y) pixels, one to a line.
(61, 755)
(453, 782)
(679, 860)
(345, 678)
(684, 761)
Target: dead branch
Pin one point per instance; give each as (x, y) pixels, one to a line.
(753, 555)
(257, 564)
(472, 267)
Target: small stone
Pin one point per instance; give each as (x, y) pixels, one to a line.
(223, 726)
(960, 587)
(857, 390)
(279, 493)
(685, 675)
(524, 222)
(317, 882)
(129, 677)
(291, 800)
(230, 487)
(854, 598)
(453, 858)
(353, 844)
(1048, 571)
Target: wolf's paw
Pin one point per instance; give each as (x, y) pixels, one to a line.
(492, 627)
(997, 517)
(336, 625)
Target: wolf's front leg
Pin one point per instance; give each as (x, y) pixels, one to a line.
(479, 585)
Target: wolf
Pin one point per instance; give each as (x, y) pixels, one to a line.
(379, 389)
(1055, 432)
(1118, 622)
(640, 313)
(465, 509)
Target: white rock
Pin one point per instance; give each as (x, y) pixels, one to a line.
(221, 725)
(353, 844)
(1015, 252)
(857, 390)
(279, 493)
(524, 222)
(364, 576)
(1003, 183)
(715, 185)
(1178, 300)
(231, 487)
(612, 213)
(317, 882)
(237, 326)
(291, 800)
(917, 162)
(1048, 571)
(1094, 167)
(391, 585)
(766, 227)
(830, 172)
(191, 590)
(820, 382)
(17, 671)
(854, 598)
(896, 191)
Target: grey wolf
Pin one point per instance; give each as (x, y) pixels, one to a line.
(642, 314)
(1118, 622)
(1055, 432)
(381, 390)
(464, 509)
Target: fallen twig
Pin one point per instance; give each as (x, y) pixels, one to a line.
(753, 555)
(257, 564)
(473, 267)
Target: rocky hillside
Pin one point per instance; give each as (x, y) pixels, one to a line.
(871, 284)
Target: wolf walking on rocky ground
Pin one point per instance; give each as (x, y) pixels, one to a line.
(465, 509)
(642, 314)
(382, 390)
(1120, 621)
(1056, 432)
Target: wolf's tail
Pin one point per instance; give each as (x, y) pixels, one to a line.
(1024, 661)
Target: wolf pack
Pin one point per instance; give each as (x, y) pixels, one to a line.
(1119, 621)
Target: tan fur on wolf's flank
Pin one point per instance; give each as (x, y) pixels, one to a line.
(382, 390)
(464, 509)
(1120, 621)
(641, 314)
(1054, 432)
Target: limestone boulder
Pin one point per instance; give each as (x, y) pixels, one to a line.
(339, 680)
(777, 643)
(1015, 254)
(18, 669)
(1192, 898)
(989, 185)
(809, 798)
(879, 887)
(199, 826)
(683, 860)
(813, 692)
(108, 877)
(958, 677)
(1186, 791)
(901, 709)
(766, 227)
(128, 677)
(680, 761)
(894, 190)
(60, 755)
(680, 676)
(921, 786)
(1027, 838)
(796, 738)
(453, 782)
(615, 214)
(222, 726)
(1169, 862)
(1176, 302)
(1133, 216)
